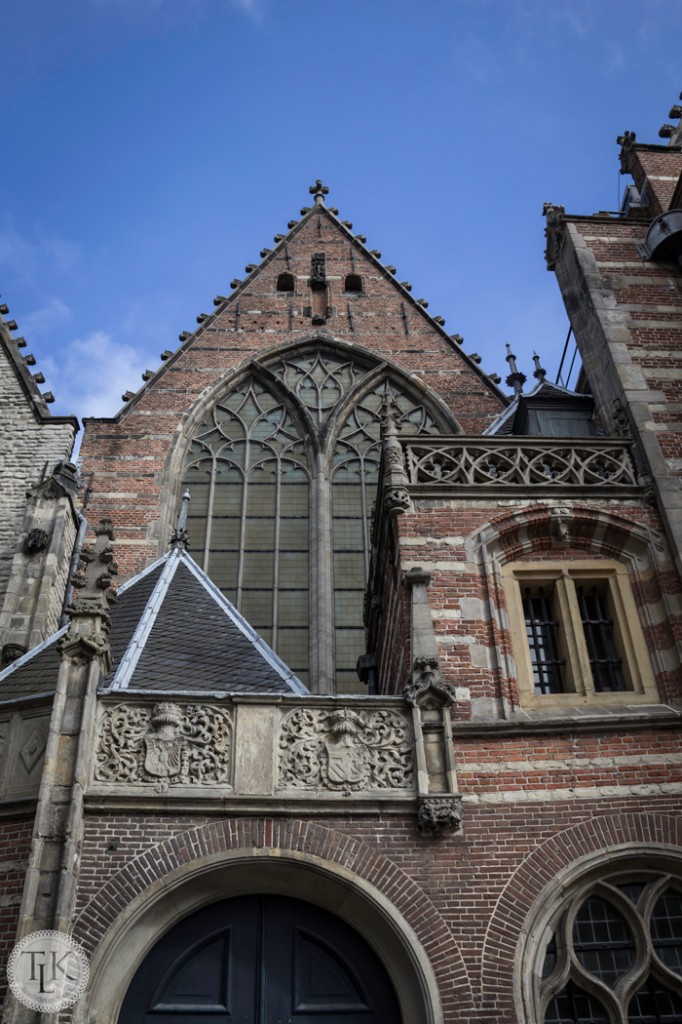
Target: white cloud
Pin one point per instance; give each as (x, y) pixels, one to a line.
(40, 322)
(23, 260)
(92, 373)
(252, 8)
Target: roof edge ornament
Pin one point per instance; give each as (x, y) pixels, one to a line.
(180, 537)
(319, 191)
(515, 379)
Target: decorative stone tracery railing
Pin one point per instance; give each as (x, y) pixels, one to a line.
(523, 462)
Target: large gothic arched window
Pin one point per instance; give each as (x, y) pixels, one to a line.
(282, 474)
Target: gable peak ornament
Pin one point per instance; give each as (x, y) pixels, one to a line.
(319, 191)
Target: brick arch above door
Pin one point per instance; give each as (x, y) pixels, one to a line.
(135, 906)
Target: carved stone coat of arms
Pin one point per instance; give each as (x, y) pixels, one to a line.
(167, 744)
(346, 750)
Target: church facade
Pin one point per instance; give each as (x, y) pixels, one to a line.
(339, 684)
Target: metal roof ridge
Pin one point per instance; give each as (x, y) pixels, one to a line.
(136, 644)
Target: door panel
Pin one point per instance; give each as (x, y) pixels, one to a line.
(261, 960)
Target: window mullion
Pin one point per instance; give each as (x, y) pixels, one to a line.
(242, 521)
(577, 654)
(209, 517)
(275, 553)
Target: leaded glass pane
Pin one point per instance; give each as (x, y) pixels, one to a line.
(294, 608)
(257, 607)
(603, 941)
(257, 475)
(633, 890)
(247, 472)
(655, 1004)
(573, 1006)
(666, 929)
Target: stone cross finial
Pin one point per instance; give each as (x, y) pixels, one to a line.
(180, 536)
(319, 191)
(516, 379)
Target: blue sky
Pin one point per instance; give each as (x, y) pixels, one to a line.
(153, 147)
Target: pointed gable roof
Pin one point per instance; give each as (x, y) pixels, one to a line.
(172, 631)
(209, 322)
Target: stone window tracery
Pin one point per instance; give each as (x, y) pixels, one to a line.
(282, 473)
(613, 953)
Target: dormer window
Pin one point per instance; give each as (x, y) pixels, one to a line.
(353, 284)
(285, 283)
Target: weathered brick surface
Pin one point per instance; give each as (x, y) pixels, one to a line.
(466, 897)
(129, 456)
(15, 843)
(31, 443)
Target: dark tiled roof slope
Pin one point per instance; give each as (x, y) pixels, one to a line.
(34, 674)
(193, 645)
(127, 612)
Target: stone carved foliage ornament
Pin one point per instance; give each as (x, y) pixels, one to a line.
(346, 750)
(166, 745)
(36, 541)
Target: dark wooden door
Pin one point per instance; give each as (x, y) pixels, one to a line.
(261, 960)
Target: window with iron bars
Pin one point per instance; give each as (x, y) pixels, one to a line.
(576, 632)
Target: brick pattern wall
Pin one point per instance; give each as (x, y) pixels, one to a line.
(130, 455)
(468, 604)
(15, 844)
(626, 314)
(658, 168)
(466, 897)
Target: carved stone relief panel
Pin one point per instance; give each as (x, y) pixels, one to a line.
(164, 744)
(22, 747)
(345, 750)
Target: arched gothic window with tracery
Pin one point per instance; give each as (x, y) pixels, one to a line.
(282, 473)
(613, 953)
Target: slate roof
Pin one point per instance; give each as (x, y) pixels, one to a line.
(34, 674)
(187, 637)
(504, 423)
(172, 631)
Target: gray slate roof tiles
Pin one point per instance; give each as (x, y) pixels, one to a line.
(171, 631)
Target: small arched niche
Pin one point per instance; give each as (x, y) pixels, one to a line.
(353, 284)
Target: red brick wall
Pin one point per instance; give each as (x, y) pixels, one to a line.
(128, 455)
(439, 540)
(15, 844)
(465, 896)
